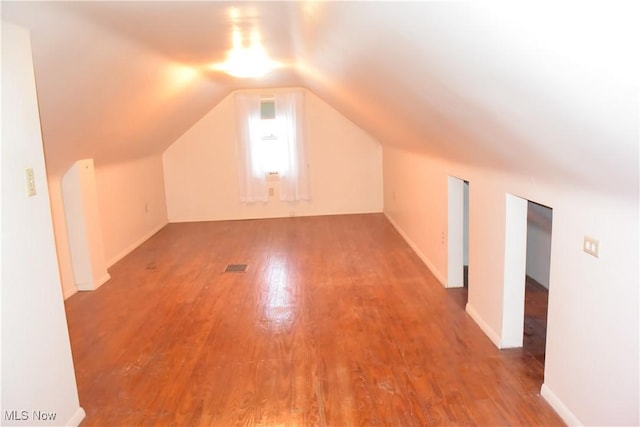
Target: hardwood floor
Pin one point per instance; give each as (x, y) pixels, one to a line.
(535, 315)
(336, 322)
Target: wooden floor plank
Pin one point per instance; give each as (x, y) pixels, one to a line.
(336, 322)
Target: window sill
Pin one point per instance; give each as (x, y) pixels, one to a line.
(273, 176)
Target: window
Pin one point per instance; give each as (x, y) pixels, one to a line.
(270, 153)
(271, 141)
(267, 109)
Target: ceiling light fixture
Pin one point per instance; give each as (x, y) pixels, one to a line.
(246, 62)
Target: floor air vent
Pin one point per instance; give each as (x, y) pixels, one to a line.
(236, 268)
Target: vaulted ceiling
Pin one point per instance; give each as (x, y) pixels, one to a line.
(547, 90)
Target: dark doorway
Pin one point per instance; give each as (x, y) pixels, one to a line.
(458, 240)
(539, 224)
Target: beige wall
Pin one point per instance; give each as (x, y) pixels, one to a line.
(37, 366)
(84, 229)
(63, 251)
(200, 169)
(132, 204)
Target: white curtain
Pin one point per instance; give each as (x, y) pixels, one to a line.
(252, 180)
(294, 178)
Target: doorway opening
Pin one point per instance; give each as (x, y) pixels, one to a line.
(526, 275)
(458, 239)
(465, 234)
(536, 300)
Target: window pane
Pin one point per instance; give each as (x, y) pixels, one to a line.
(274, 156)
(268, 129)
(267, 110)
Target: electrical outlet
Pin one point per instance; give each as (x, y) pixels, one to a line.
(591, 246)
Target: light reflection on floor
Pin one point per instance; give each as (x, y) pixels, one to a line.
(279, 307)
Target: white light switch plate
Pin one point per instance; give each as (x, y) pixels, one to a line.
(591, 246)
(30, 181)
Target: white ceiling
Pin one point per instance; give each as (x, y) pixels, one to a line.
(548, 90)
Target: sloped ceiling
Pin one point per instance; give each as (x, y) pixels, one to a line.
(546, 90)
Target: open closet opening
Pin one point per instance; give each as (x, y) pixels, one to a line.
(539, 224)
(526, 275)
(458, 239)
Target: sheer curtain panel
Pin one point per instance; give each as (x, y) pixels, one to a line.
(294, 178)
(252, 180)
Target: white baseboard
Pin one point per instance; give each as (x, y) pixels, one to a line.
(102, 280)
(92, 286)
(68, 292)
(76, 418)
(488, 331)
(557, 404)
(418, 252)
(134, 245)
